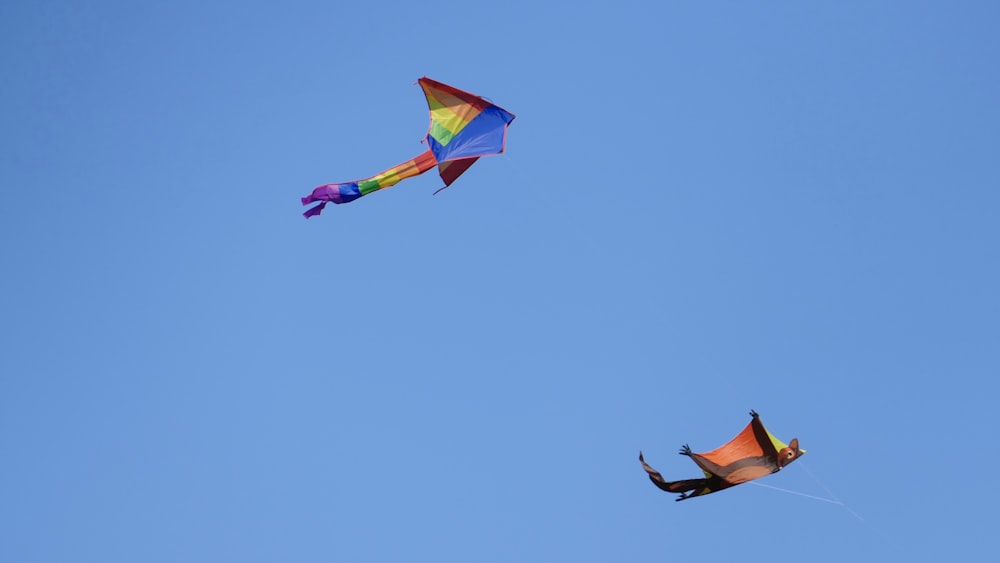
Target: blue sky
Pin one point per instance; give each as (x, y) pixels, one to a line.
(704, 208)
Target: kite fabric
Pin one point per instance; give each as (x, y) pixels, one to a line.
(463, 128)
(752, 454)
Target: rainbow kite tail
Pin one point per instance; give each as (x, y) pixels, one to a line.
(350, 191)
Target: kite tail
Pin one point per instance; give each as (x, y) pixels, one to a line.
(337, 193)
(313, 210)
(350, 191)
(681, 486)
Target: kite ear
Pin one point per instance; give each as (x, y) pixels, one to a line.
(794, 445)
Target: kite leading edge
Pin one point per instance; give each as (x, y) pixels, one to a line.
(752, 454)
(463, 128)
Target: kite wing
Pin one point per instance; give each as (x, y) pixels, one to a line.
(463, 128)
(752, 454)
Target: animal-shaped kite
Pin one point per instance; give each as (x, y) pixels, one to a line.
(752, 454)
(463, 128)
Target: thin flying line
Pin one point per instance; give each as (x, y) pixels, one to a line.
(800, 494)
(814, 478)
(827, 489)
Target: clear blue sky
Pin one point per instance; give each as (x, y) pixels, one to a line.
(704, 208)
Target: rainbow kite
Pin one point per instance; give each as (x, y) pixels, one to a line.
(463, 128)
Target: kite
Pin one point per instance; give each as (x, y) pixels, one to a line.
(752, 454)
(463, 128)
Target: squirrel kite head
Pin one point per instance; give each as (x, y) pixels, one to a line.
(790, 453)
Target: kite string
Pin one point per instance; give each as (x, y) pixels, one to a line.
(833, 500)
(829, 492)
(818, 482)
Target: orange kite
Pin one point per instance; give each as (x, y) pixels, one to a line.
(752, 454)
